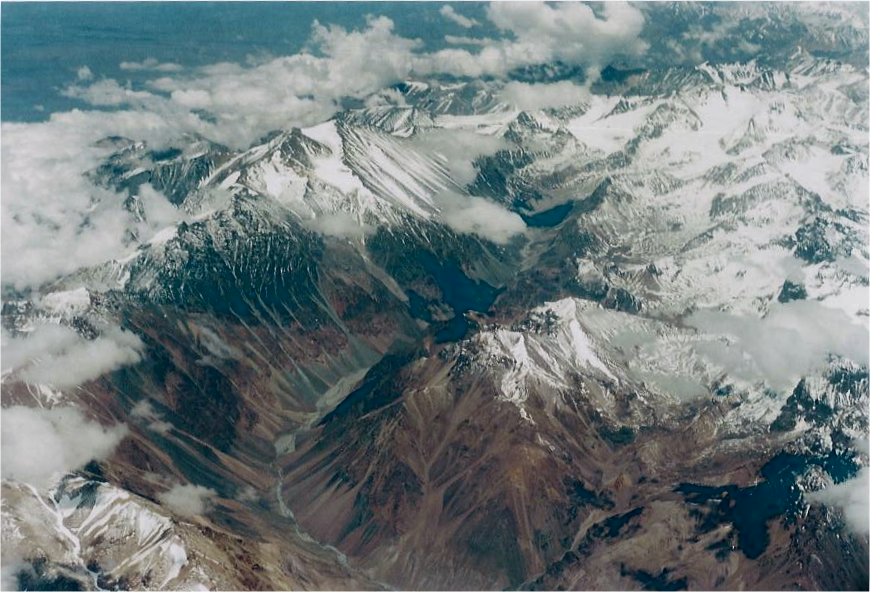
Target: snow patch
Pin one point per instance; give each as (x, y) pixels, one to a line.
(330, 168)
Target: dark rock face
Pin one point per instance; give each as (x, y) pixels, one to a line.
(496, 179)
(660, 582)
(811, 244)
(818, 408)
(622, 300)
(791, 291)
(40, 578)
(261, 273)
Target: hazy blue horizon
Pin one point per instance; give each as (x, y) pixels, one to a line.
(44, 43)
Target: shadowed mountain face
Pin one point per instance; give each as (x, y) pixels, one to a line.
(465, 335)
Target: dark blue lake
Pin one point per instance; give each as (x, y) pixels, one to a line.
(749, 509)
(550, 218)
(457, 290)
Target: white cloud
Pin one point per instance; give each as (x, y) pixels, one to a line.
(458, 149)
(306, 88)
(480, 216)
(57, 356)
(680, 386)
(851, 497)
(143, 410)
(54, 219)
(158, 210)
(188, 500)
(149, 64)
(468, 41)
(531, 97)
(385, 98)
(459, 19)
(339, 225)
(21, 351)
(40, 444)
(109, 92)
(46, 201)
(570, 32)
(66, 302)
(84, 74)
(192, 99)
(296, 90)
(791, 341)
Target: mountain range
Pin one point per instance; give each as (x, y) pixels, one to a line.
(445, 341)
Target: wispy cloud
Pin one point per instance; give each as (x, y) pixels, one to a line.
(852, 497)
(789, 342)
(41, 444)
(530, 97)
(458, 149)
(480, 216)
(150, 64)
(450, 13)
(188, 500)
(307, 87)
(57, 356)
(468, 41)
(144, 411)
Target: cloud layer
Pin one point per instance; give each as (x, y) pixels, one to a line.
(54, 220)
(41, 444)
(530, 97)
(459, 149)
(852, 497)
(480, 216)
(448, 12)
(791, 341)
(188, 500)
(57, 356)
(307, 87)
(570, 32)
(149, 64)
